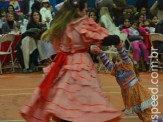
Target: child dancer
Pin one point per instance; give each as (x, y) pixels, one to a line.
(136, 98)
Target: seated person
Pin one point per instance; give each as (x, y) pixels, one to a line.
(137, 44)
(10, 24)
(35, 21)
(26, 49)
(11, 10)
(125, 24)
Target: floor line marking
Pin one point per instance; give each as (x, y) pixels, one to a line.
(119, 86)
(31, 93)
(15, 94)
(12, 121)
(120, 92)
(15, 89)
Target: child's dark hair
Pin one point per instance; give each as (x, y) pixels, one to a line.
(134, 22)
(125, 18)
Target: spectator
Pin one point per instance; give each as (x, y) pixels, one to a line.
(93, 14)
(10, 24)
(27, 52)
(143, 11)
(154, 21)
(11, 10)
(2, 12)
(46, 13)
(35, 21)
(124, 28)
(147, 26)
(137, 43)
(45, 48)
(125, 25)
(140, 19)
(107, 22)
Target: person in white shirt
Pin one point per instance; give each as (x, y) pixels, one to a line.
(46, 13)
(107, 22)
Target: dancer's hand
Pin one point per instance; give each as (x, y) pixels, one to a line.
(95, 49)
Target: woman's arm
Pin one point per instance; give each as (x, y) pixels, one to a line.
(96, 50)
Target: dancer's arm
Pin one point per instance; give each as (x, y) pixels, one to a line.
(96, 50)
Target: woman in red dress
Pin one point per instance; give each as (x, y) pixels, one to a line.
(70, 90)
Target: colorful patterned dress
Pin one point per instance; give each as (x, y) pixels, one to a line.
(75, 93)
(135, 97)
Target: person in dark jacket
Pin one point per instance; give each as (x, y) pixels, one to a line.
(10, 24)
(34, 35)
(35, 21)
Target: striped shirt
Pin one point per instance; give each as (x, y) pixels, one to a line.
(125, 78)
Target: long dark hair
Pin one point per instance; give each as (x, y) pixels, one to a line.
(12, 8)
(65, 15)
(31, 16)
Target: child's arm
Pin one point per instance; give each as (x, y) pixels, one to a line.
(105, 61)
(123, 53)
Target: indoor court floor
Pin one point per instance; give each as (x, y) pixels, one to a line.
(16, 89)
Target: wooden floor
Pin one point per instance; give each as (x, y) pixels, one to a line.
(16, 88)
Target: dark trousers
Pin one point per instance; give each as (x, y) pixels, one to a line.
(33, 58)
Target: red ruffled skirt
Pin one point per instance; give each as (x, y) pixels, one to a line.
(75, 95)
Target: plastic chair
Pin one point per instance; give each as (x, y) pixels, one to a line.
(153, 37)
(6, 38)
